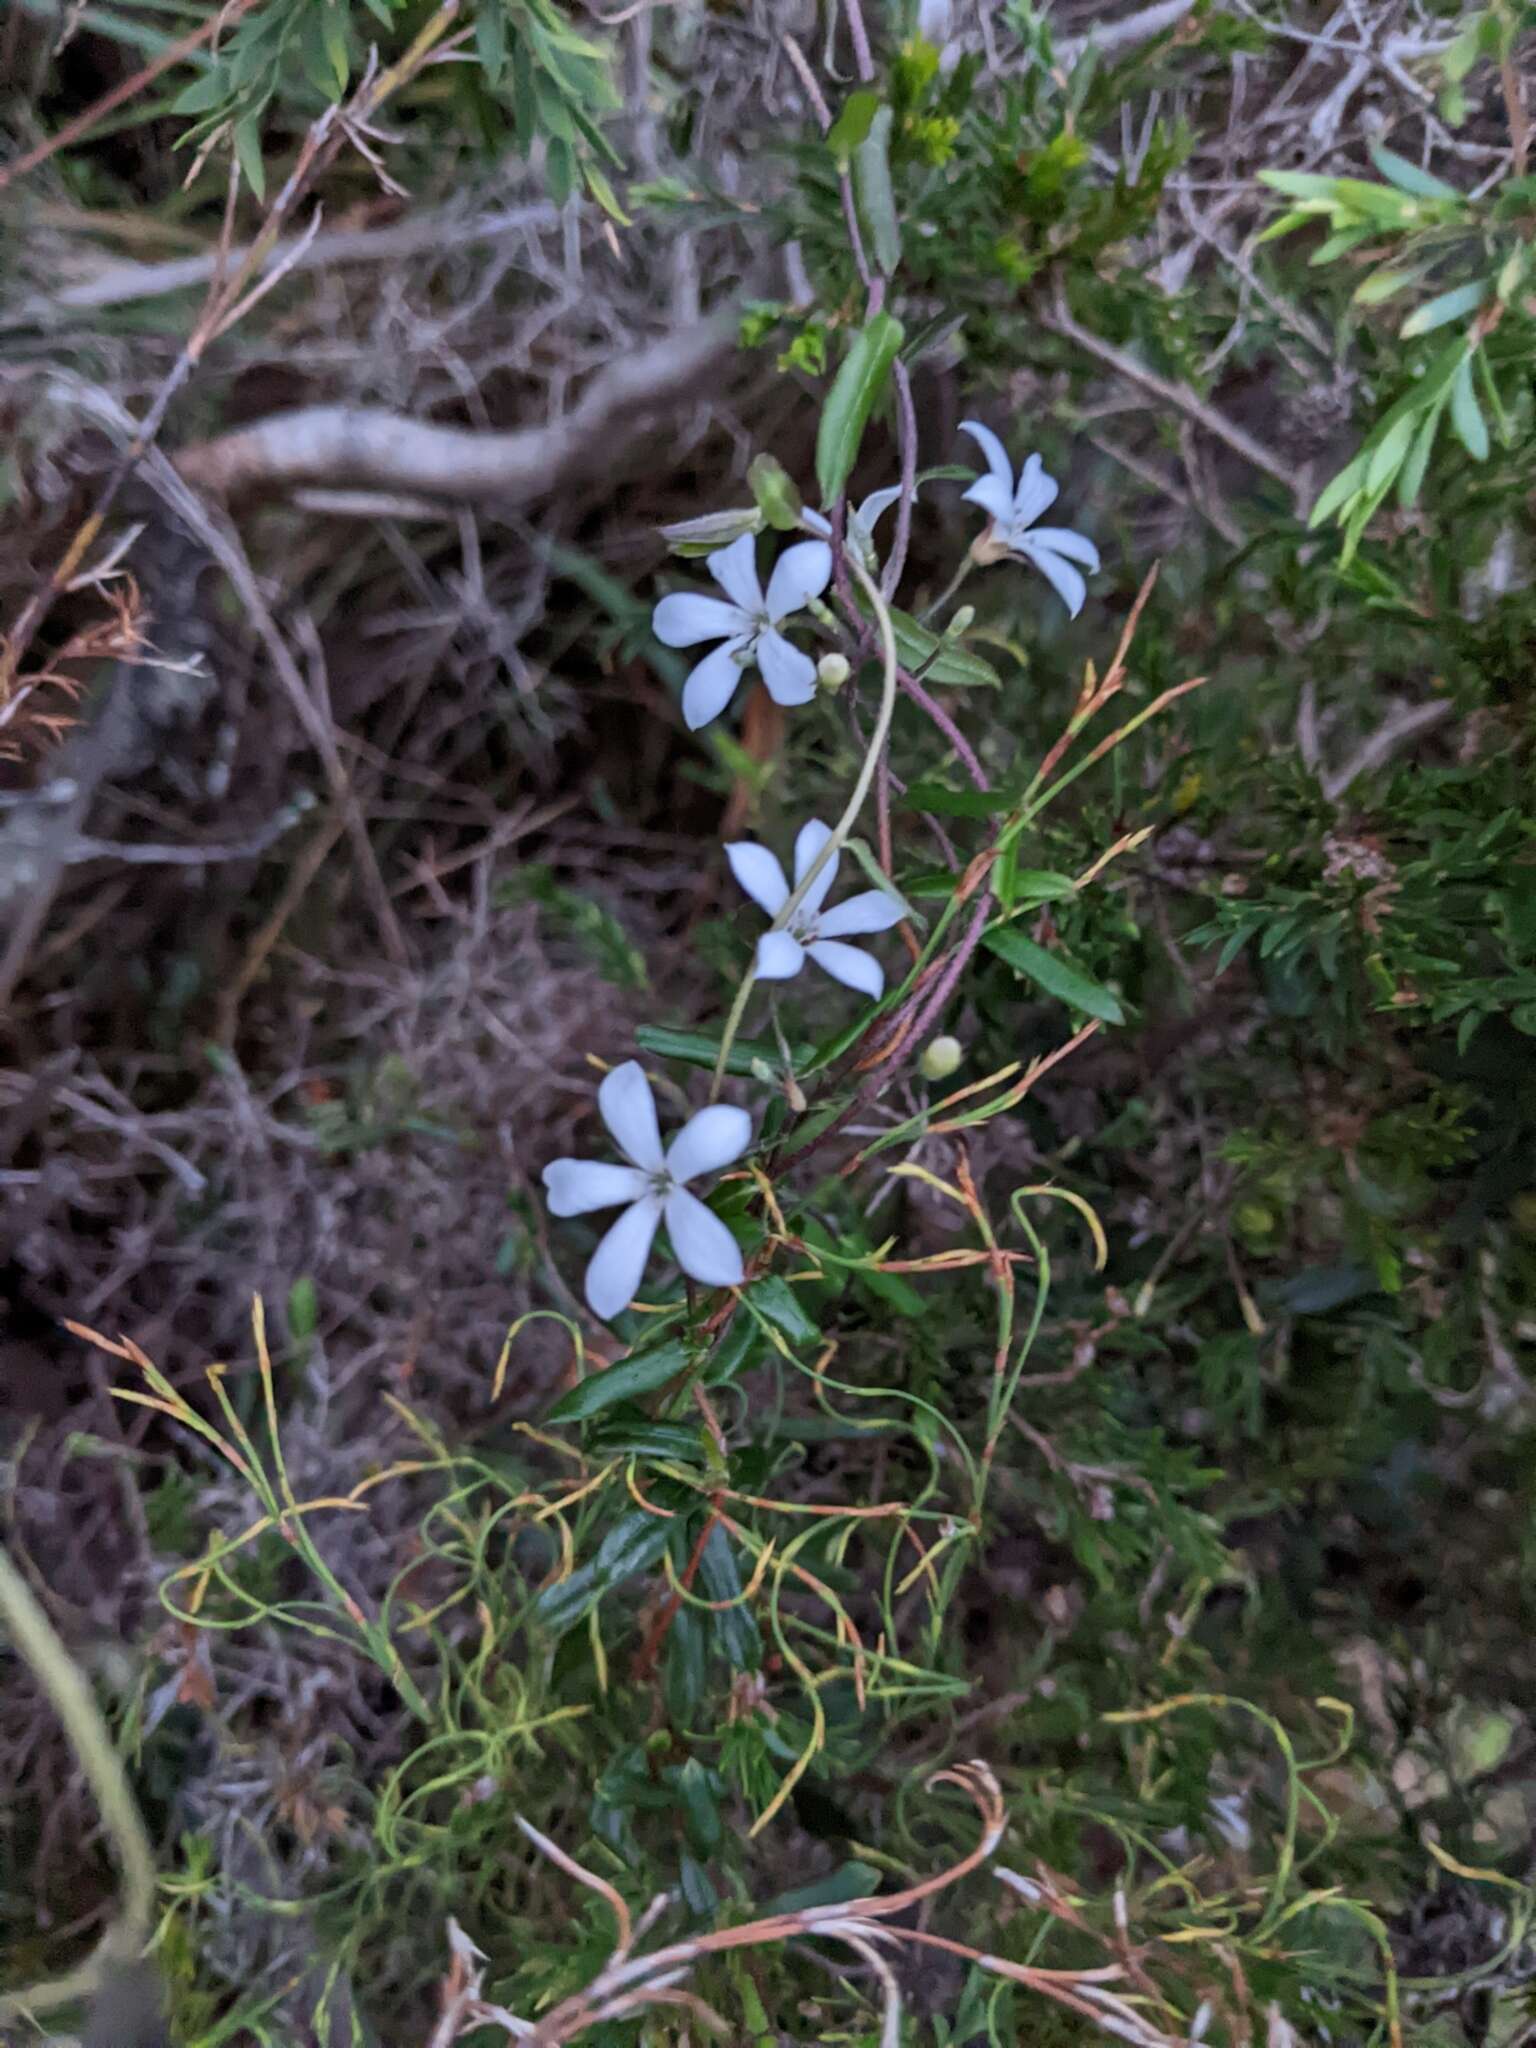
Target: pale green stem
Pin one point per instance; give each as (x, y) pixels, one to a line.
(967, 564)
(96, 1753)
(845, 824)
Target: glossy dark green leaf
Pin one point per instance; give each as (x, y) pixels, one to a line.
(633, 1544)
(775, 1299)
(641, 1373)
(1053, 974)
(735, 1629)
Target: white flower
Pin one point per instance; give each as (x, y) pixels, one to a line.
(860, 525)
(747, 626)
(654, 1185)
(813, 930)
(1014, 510)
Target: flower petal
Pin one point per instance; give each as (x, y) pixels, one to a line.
(735, 570)
(809, 841)
(1061, 540)
(712, 1139)
(1036, 493)
(613, 1272)
(628, 1108)
(779, 957)
(688, 617)
(711, 685)
(789, 674)
(849, 965)
(576, 1186)
(994, 451)
(994, 498)
(759, 873)
(801, 573)
(872, 910)
(876, 503)
(1062, 577)
(705, 1249)
(818, 522)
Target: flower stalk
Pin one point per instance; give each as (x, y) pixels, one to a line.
(843, 828)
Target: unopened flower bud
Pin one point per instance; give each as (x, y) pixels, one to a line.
(962, 622)
(940, 1058)
(832, 671)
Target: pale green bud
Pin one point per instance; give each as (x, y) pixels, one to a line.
(832, 672)
(962, 622)
(940, 1058)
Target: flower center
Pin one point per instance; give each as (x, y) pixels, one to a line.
(661, 1183)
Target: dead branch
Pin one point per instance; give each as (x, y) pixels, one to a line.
(363, 447)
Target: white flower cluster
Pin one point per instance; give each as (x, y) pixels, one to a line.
(747, 626)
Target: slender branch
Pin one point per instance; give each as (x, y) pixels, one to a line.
(1059, 319)
(50, 1663)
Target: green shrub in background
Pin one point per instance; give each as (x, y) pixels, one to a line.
(1116, 1468)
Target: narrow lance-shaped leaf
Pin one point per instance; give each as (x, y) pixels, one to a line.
(855, 391)
(1447, 306)
(872, 188)
(1050, 972)
(1467, 414)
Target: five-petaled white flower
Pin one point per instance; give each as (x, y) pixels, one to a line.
(746, 622)
(811, 929)
(1014, 510)
(654, 1185)
(859, 527)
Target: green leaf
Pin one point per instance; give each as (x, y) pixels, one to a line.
(1387, 455)
(641, 1373)
(633, 1544)
(877, 878)
(719, 1579)
(699, 1049)
(303, 1309)
(857, 387)
(248, 152)
(1350, 479)
(491, 41)
(202, 95)
(945, 802)
(1053, 974)
(774, 490)
(849, 1881)
(1408, 177)
(1467, 414)
(1444, 308)
(1302, 184)
(777, 1301)
(602, 191)
(942, 661)
(1384, 284)
(872, 188)
(1340, 244)
(1029, 888)
(629, 1431)
(1411, 477)
(852, 124)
